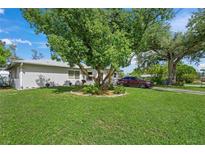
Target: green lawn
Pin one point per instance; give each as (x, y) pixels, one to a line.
(143, 116)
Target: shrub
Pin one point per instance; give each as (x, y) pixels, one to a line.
(185, 73)
(111, 87)
(119, 90)
(91, 89)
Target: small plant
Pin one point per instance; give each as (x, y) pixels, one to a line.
(91, 89)
(119, 90)
(111, 87)
(47, 85)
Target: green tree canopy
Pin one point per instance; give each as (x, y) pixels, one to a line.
(84, 36)
(4, 54)
(185, 73)
(143, 23)
(166, 46)
(196, 29)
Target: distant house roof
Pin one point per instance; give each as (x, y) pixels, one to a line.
(202, 67)
(146, 75)
(43, 62)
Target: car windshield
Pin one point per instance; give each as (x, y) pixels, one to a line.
(129, 78)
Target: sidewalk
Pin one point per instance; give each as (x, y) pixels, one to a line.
(180, 90)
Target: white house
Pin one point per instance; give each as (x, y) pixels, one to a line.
(25, 74)
(202, 67)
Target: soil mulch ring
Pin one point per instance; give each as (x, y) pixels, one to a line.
(107, 94)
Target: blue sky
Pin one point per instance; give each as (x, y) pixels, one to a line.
(15, 29)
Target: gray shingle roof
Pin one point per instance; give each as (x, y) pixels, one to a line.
(44, 62)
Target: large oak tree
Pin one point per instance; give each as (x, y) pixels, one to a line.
(94, 37)
(173, 47)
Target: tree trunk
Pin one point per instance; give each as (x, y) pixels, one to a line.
(171, 72)
(174, 81)
(99, 79)
(108, 77)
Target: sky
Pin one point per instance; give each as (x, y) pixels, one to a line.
(15, 29)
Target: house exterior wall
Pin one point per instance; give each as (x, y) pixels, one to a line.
(37, 76)
(34, 76)
(14, 77)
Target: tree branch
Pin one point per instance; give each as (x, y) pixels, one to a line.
(83, 70)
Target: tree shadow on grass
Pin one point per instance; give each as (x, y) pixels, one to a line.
(63, 89)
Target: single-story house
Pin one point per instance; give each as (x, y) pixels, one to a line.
(25, 74)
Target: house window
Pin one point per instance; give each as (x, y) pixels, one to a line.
(73, 74)
(115, 75)
(77, 74)
(90, 78)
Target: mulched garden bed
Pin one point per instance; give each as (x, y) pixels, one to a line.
(106, 94)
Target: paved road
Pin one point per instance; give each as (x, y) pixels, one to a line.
(194, 85)
(180, 90)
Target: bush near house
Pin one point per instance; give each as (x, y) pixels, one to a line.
(185, 74)
(119, 90)
(96, 90)
(91, 89)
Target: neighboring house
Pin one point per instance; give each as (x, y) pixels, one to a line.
(25, 74)
(4, 77)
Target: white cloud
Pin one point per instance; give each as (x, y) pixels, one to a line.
(1, 11)
(22, 41)
(16, 41)
(7, 41)
(3, 31)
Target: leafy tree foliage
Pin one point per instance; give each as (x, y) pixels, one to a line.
(95, 37)
(158, 72)
(143, 23)
(196, 28)
(185, 74)
(4, 54)
(165, 46)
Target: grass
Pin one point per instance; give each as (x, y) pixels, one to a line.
(143, 116)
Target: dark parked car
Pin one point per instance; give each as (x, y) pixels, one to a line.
(134, 82)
